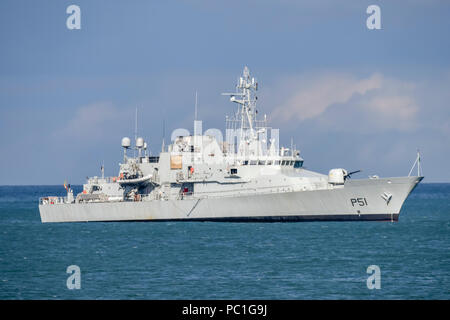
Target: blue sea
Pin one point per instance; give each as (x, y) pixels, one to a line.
(215, 260)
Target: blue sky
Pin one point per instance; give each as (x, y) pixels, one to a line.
(350, 97)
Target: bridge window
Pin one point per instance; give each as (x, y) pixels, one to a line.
(253, 162)
(233, 170)
(269, 162)
(298, 164)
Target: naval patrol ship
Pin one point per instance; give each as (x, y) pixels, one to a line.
(245, 177)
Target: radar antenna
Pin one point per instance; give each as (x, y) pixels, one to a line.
(245, 117)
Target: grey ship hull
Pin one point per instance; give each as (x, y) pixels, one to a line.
(356, 200)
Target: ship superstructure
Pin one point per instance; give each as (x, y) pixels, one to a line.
(243, 175)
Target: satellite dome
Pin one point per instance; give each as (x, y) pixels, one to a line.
(126, 142)
(139, 142)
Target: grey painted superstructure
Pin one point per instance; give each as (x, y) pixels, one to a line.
(247, 177)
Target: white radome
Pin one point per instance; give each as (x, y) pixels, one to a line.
(140, 142)
(126, 142)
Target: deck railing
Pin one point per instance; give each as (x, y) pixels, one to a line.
(195, 195)
(52, 200)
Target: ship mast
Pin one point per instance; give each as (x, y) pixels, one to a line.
(245, 118)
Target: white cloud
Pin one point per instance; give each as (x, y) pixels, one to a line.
(376, 102)
(321, 93)
(393, 111)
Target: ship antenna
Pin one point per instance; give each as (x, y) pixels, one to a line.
(196, 100)
(292, 146)
(245, 118)
(164, 134)
(418, 165)
(135, 126)
(135, 131)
